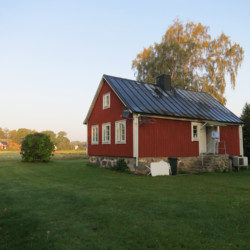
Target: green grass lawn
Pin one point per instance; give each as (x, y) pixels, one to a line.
(58, 155)
(71, 205)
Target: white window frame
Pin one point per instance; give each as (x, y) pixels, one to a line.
(104, 139)
(105, 104)
(193, 124)
(94, 134)
(118, 135)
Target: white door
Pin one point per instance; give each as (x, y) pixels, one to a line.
(203, 140)
(210, 145)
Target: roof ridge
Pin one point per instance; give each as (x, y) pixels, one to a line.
(185, 103)
(125, 79)
(122, 78)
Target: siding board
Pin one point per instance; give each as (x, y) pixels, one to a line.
(230, 134)
(112, 114)
(166, 138)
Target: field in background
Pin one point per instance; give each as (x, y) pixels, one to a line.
(58, 155)
(70, 151)
(71, 205)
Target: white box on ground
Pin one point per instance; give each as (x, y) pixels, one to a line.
(160, 168)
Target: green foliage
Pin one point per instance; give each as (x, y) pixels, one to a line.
(62, 142)
(121, 165)
(192, 58)
(37, 147)
(79, 145)
(245, 117)
(13, 135)
(1, 133)
(4, 133)
(22, 133)
(51, 134)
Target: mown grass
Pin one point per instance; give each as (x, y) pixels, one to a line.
(58, 155)
(71, 205)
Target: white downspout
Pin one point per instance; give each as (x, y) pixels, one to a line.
(136, 138)
(87, 146)
(241, 140)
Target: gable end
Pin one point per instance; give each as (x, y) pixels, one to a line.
(103, 80)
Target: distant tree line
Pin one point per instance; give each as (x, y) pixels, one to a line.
(61, 141)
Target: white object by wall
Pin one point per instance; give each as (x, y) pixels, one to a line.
(160, 168)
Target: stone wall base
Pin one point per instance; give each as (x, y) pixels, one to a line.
(206, 163)
(186, 165)
(109, 162)
(144, 163)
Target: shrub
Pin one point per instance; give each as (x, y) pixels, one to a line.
(121, 165)
(37, 148)
(245, 117)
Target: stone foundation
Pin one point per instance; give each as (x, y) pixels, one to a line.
(186, 165)
(109, 162)
(206, 163)
(144, 163)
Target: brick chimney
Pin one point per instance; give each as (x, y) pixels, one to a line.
(164, 82)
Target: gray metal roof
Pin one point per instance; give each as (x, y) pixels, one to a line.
(145, 98)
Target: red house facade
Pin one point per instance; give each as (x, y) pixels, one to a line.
(143, 122)
(3, 145)
(101, 116)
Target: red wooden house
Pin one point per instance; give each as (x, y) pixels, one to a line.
(3, 145)
(143, 122)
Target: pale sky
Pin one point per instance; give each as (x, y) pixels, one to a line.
(53, 53)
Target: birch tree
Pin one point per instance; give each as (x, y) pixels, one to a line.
(193, 59)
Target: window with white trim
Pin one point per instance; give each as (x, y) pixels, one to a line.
(94, 134)
(106, 133)
(195, 131)
(106, 101)
(120, 132)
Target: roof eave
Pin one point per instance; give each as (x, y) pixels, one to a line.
(186, 118)
(94, 101)
(96, 96)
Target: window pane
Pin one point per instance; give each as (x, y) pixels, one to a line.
(106, 133)
(106, 100)
(119, 133)
(122, 132)
(94, 134)
(195, 134)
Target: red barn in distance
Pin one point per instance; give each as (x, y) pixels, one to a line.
(3, 145)
(142, 123)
